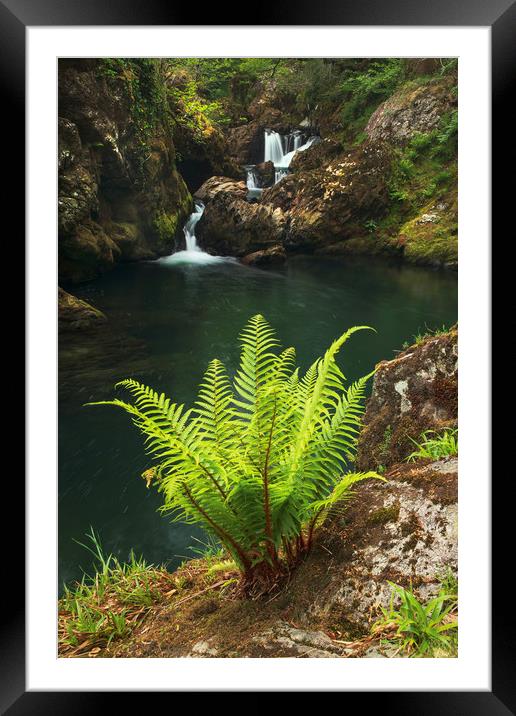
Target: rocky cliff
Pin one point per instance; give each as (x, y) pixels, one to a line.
(121, 197)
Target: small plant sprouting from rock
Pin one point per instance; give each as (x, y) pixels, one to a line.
(435, 445)
(259, 461)
(420, 630)
(421, 337)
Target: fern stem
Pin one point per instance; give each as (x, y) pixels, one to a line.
(266, 501)
(224, 536)
(215, 482)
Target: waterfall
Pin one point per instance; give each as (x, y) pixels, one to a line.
(281, 149)
(193, 254)
(273, 147)
(287, 158)
(189, 227)
(279, 174)
(251, 178)
(254, 190)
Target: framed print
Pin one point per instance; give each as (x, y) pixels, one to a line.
(271, 256)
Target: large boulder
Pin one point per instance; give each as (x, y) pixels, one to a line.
(120, 195)
(404, 531)
(332, 204)
(246, 142)
(232, 226)
(266, 173)
(221, 185)
(317, 156)
(412, 109)
(415, 392)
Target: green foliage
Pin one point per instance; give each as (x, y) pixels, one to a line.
(435, 445)
(421, 630)
(449, 583)
(365, 88)
(419, 338)
(258, 461)
(371, 225)
(141, 82)
(449, 66)
(439, 144)
(145, 89)
(105, 606)
(194, 113)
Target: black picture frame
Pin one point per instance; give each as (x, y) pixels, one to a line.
(500, 16)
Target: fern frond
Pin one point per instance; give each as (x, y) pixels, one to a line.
(257, 462)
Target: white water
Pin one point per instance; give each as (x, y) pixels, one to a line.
(251, 178)
(281, 149)
(254, 190)
(193, 253)
(273, 147)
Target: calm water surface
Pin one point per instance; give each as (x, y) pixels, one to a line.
(166, 322)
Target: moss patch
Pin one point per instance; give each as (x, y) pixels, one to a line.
(384, 515)
(165, 226)
(431, 237)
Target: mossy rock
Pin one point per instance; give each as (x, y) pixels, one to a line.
(75, 314)
(431, 237)
(165, 226)
(87, 253)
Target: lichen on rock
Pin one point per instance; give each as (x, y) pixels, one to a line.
(414, 392)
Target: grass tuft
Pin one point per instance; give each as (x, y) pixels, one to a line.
(109, 603)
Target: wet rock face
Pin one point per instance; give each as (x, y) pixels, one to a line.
(416, 391)
(410, 111)
(75, 314)
(234, 227)
(198, 160)
(247, 143)
(119, 198)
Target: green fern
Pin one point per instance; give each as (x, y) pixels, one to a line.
(258, 461)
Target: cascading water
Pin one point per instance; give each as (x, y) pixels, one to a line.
(273, 147)
(251, 178)
(193, 253)
(281, 149)
(189, 227)
(254, 191)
